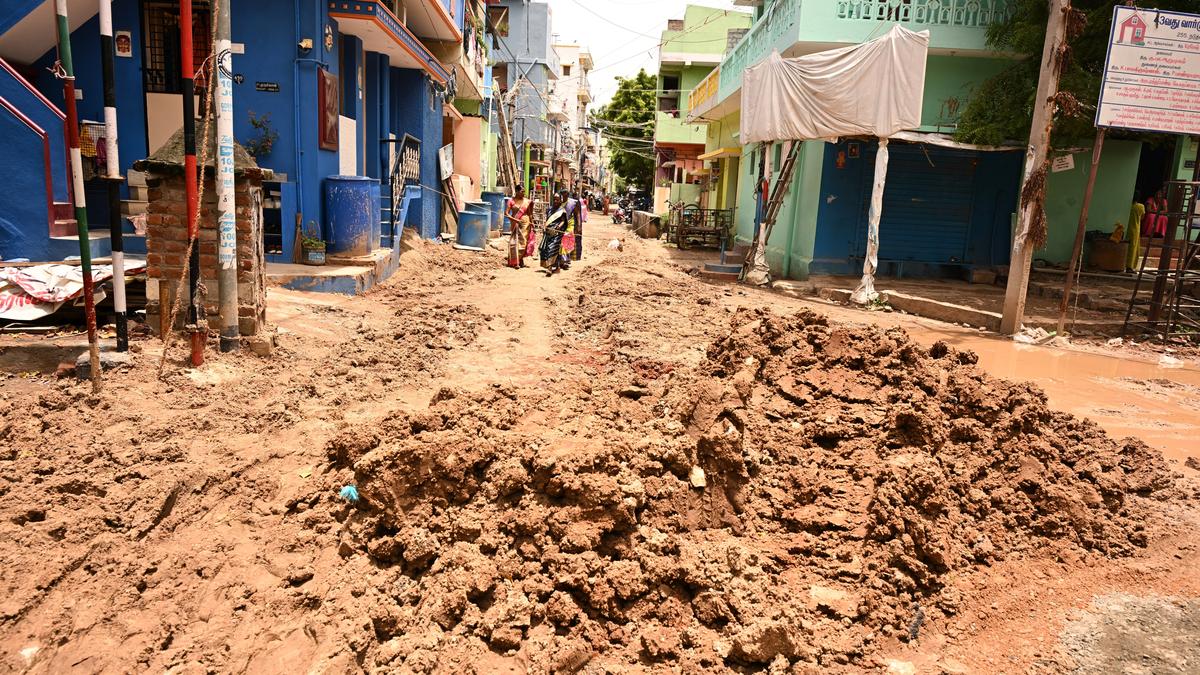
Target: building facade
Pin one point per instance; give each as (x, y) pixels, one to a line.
(947, 207)
(322, 88)
(691, 48)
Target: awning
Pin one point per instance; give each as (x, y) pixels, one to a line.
(721, 153)
(448, 110)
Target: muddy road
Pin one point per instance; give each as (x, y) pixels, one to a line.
(620, 468)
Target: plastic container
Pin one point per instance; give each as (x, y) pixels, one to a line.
(497, 202)
(473, 229)
(351, 215)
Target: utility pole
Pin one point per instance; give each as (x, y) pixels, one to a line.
(67, 73)
(187, 71)
(113, 179)
(227, 272)
(1035, 163)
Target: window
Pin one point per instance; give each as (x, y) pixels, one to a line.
(567, 71)
(161, 71)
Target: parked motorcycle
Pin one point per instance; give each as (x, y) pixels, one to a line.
(620, 216)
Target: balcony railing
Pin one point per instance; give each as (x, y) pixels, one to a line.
(966, 13)
(779, 22)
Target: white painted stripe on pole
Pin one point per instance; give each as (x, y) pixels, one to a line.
(77, 178)
(60, 7)
(110, 142)
(226, 204)
(106, 18)
(118, 262)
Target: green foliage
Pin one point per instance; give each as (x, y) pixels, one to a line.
(1002, 107)
(631, 115)
(261, 144)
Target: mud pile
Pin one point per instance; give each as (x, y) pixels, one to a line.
(806, 493)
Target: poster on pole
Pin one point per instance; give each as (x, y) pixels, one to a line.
(1152, 73)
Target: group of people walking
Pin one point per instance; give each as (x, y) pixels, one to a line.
(561, 238)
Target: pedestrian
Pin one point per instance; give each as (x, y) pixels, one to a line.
(1133, 234)
(581, 215)
(551, 251)
(520, 237)
(571, 233)
(1155, 222)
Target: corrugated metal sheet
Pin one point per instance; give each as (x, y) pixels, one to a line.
(926, 204)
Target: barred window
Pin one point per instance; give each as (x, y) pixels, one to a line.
(160, 28)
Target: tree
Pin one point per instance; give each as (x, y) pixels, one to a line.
(1001, 108)
(628, 125)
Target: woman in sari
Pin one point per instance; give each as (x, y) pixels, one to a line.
(520, 242)
(552, 241)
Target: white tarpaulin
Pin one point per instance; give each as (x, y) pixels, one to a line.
(873, 89)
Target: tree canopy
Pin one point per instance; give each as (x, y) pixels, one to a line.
(628, 123)
(1001, 108)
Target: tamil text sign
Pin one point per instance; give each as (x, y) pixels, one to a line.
(1152, 76)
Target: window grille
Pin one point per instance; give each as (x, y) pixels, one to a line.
(162, 49)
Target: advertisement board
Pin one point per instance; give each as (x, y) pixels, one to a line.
(1152, 73)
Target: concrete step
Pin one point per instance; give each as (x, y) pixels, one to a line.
(64, 227)
(65, 247)
(134, 207)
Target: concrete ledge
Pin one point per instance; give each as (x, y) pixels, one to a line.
(345, 276)
(930, 309)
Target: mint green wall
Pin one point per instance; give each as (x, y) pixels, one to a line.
(720, 134)
(676, 129)
(950, 81)
(790, 249)
(1185, 151)
(704, 30)
(1110, 202)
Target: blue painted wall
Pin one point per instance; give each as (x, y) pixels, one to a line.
(842, 217)
(12, 11)
(24, 224)
(16, 93)
(417, 110)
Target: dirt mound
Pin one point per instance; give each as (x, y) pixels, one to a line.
(804, 494)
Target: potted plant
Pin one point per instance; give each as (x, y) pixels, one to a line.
(312, 250)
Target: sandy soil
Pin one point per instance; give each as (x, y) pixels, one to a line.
(617, 469)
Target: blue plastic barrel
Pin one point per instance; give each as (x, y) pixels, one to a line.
(496, 201)
(473, 229)
(351, 215)
(479, 207)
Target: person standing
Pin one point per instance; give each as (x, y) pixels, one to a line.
(553, 238)
(1133, 232)
(518, 214)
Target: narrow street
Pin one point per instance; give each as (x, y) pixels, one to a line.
(546, 484)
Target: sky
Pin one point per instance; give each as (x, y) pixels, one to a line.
(622, 35)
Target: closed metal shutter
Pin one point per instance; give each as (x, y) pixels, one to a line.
(927, 204)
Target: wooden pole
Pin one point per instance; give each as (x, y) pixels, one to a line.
(1077, 251)
(187, 68)
(81, 219)
(1035, 159)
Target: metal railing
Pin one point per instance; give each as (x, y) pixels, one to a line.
(965, 13)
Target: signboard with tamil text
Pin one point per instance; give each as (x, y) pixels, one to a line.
(1152, 74)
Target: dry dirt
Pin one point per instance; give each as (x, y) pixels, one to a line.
(617, 469)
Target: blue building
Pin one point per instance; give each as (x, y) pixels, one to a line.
(322, 88)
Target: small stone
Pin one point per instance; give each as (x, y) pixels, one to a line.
(108, 361)
(697, 478)
(897, 667)
(261, 346)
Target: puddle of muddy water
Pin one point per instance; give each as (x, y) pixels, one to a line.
(1161, 406)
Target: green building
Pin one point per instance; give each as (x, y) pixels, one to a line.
(947, 207)
(691, 48)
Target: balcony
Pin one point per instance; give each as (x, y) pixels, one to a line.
(373, 23)
(466, 59)
(428, 19)
(672, 129)
(585, 91)
(555, 111)
(797, 27)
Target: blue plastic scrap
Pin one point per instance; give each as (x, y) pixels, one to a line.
(350, 493)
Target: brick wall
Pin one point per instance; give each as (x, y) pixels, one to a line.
(167, 241)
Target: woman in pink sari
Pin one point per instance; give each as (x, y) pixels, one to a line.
(1155, 223)
(521, 240)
